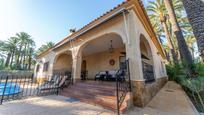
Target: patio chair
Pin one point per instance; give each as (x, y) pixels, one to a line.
(52, 79)
(53, 87)
(100, 75)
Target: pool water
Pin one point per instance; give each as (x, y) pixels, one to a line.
(10, 89)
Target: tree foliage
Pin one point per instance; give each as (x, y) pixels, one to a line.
(19, 52)
(44, 47)
(157, 12)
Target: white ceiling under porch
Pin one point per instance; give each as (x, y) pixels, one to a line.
(103, 43)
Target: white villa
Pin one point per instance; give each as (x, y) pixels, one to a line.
(104, 45)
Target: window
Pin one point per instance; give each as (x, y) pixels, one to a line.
(46, 66)
(148, 72)
(37, 68)
(122, 62)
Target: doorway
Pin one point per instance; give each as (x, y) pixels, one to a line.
(84, 71)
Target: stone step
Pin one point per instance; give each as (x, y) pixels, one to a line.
(95, 93)
(97, 85)
(111, 83)
(96, 90)
(89, 94)
(99, 101)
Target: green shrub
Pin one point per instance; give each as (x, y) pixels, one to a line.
(199, 68)
(194, 87)
(173, 71)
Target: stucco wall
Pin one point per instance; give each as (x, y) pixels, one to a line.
(100, 62)
(157, 59)
(144, 92)
(47, 58)
(63, 63)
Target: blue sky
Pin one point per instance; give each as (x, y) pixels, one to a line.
(49, 20)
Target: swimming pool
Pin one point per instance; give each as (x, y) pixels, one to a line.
(10, 89)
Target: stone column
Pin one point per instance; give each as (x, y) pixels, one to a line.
(133, 47)
(76, 65)
(142, 92)
(134, 56)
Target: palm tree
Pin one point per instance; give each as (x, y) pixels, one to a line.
(17, 51)
(2, 53)
(29, 53)
(50, 44)
(1, 63)
(157, 11)
(195, 12)
(27, 50)
(23, 37)
(44, 47)
(190, 40)
(183, 48)
(13, 42)
(188, 34)
(166, 51)
(30, 56)
(7, 48)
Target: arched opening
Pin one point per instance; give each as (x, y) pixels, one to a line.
(147, 60)
(63, 64)
(103, 55)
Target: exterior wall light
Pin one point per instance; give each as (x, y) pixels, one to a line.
(111, 49)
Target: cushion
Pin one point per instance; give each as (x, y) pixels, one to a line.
(102, 72)
(112, 72)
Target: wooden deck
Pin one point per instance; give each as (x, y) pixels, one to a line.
(96, 93)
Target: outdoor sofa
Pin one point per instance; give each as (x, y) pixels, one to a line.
(110, 75)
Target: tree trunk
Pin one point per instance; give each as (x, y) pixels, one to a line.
(24, 56)
(18, 58)
(8, 59)
(167, 55)
(192, 52)
(11, 62)
(195, 13)
(21, 59)
(29, 63)
(1, 63)
(183, 48)
(30, 59)
(169, 41)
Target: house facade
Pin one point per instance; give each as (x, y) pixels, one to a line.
(104, 44)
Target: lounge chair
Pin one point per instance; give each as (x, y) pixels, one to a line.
(53, 87)
(52, 79)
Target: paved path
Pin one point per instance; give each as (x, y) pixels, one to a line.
(171, 100)
(51, 105)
